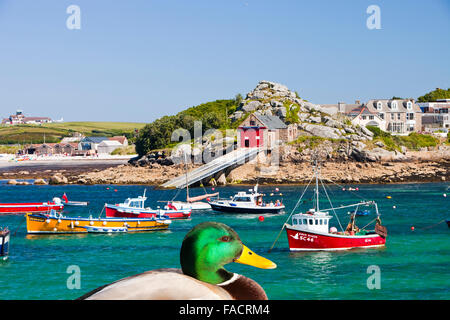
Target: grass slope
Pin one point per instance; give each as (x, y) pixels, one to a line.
(54, 132)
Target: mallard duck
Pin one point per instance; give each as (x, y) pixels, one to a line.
(206, 248)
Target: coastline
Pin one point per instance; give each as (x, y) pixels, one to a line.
(118, 172)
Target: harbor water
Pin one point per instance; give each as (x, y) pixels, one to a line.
(414, 264)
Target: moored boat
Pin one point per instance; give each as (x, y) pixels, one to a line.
(191, 203)
(19, 208)
(134, 208)
(4, 243)
(448, 222)
(310, 231)
(68, 202)
(56, 223)
(247, 202)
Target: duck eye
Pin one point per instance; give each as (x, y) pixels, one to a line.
(225, 239)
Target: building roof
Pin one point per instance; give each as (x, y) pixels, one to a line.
(94, 139)
(121, 139)
(271, 122)
(110, 143)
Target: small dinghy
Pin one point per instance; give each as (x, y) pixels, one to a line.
(73, 203)
(95, 229)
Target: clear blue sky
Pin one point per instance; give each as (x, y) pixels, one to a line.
(139, 60)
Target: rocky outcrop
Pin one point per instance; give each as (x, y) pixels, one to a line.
(58, 178)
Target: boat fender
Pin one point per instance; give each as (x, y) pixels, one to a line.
(77, 223)
(138, 222)
(59, 220)
(125, 224)
(54, 229)
(47, 221)
(71, 224)
(91, 223)
(104, 223)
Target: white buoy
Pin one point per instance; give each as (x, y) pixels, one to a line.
(394, 207)
(445, 195)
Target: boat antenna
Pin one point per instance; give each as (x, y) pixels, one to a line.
(187, 180)
(292, 212)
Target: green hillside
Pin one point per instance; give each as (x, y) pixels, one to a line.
(54, 132)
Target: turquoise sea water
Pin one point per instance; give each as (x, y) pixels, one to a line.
(413, 265)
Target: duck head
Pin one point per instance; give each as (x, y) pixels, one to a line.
(209, 246)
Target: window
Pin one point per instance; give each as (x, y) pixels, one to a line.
(364, 117)
(381, 115)
(394, 105)
(392, 116)
(379, 106)
(320, 221)
(399, 116)
(409, 105)
(317, 222)
(310, 221)
(325, 222)
(371, 117)
(305, 221)
(252, 122)
(410, 116)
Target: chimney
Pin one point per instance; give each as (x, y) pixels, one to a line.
(357, 102)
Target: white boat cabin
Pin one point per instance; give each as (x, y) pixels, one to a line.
(137, 203)
(312, 221)
(247, 197)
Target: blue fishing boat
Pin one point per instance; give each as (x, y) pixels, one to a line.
(4, 243)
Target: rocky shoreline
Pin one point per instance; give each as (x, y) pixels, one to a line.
(288, 172)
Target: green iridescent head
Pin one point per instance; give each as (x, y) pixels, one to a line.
(209, 246)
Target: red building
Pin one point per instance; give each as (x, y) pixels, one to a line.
(263, 131)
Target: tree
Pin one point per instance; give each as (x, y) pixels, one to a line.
(434, 95)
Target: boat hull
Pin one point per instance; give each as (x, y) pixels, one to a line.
(300, 240)
(18, 208)
(4, 244)
(113, 211)
(251, 210)
(190, 205)
(41, 223)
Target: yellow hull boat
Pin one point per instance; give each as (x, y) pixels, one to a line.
(54, 223)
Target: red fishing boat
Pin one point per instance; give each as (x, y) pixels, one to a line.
(310, 231)
(134, 208)
(18, 208)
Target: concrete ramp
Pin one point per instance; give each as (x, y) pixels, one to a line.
(239, 156)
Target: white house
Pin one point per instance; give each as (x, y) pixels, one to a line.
(108, 146)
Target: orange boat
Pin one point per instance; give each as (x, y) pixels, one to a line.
(55, 223)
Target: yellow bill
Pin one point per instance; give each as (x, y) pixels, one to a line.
(252, 259)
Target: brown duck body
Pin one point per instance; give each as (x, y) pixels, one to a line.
(172, 284)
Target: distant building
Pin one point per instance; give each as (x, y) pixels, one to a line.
(19, 118)
(397, 116)
(435, 114)
(122, 139)
(264, 131)
(50, 149)
(108, 146)
(90, 143)
(364, 117)
(76, 137)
